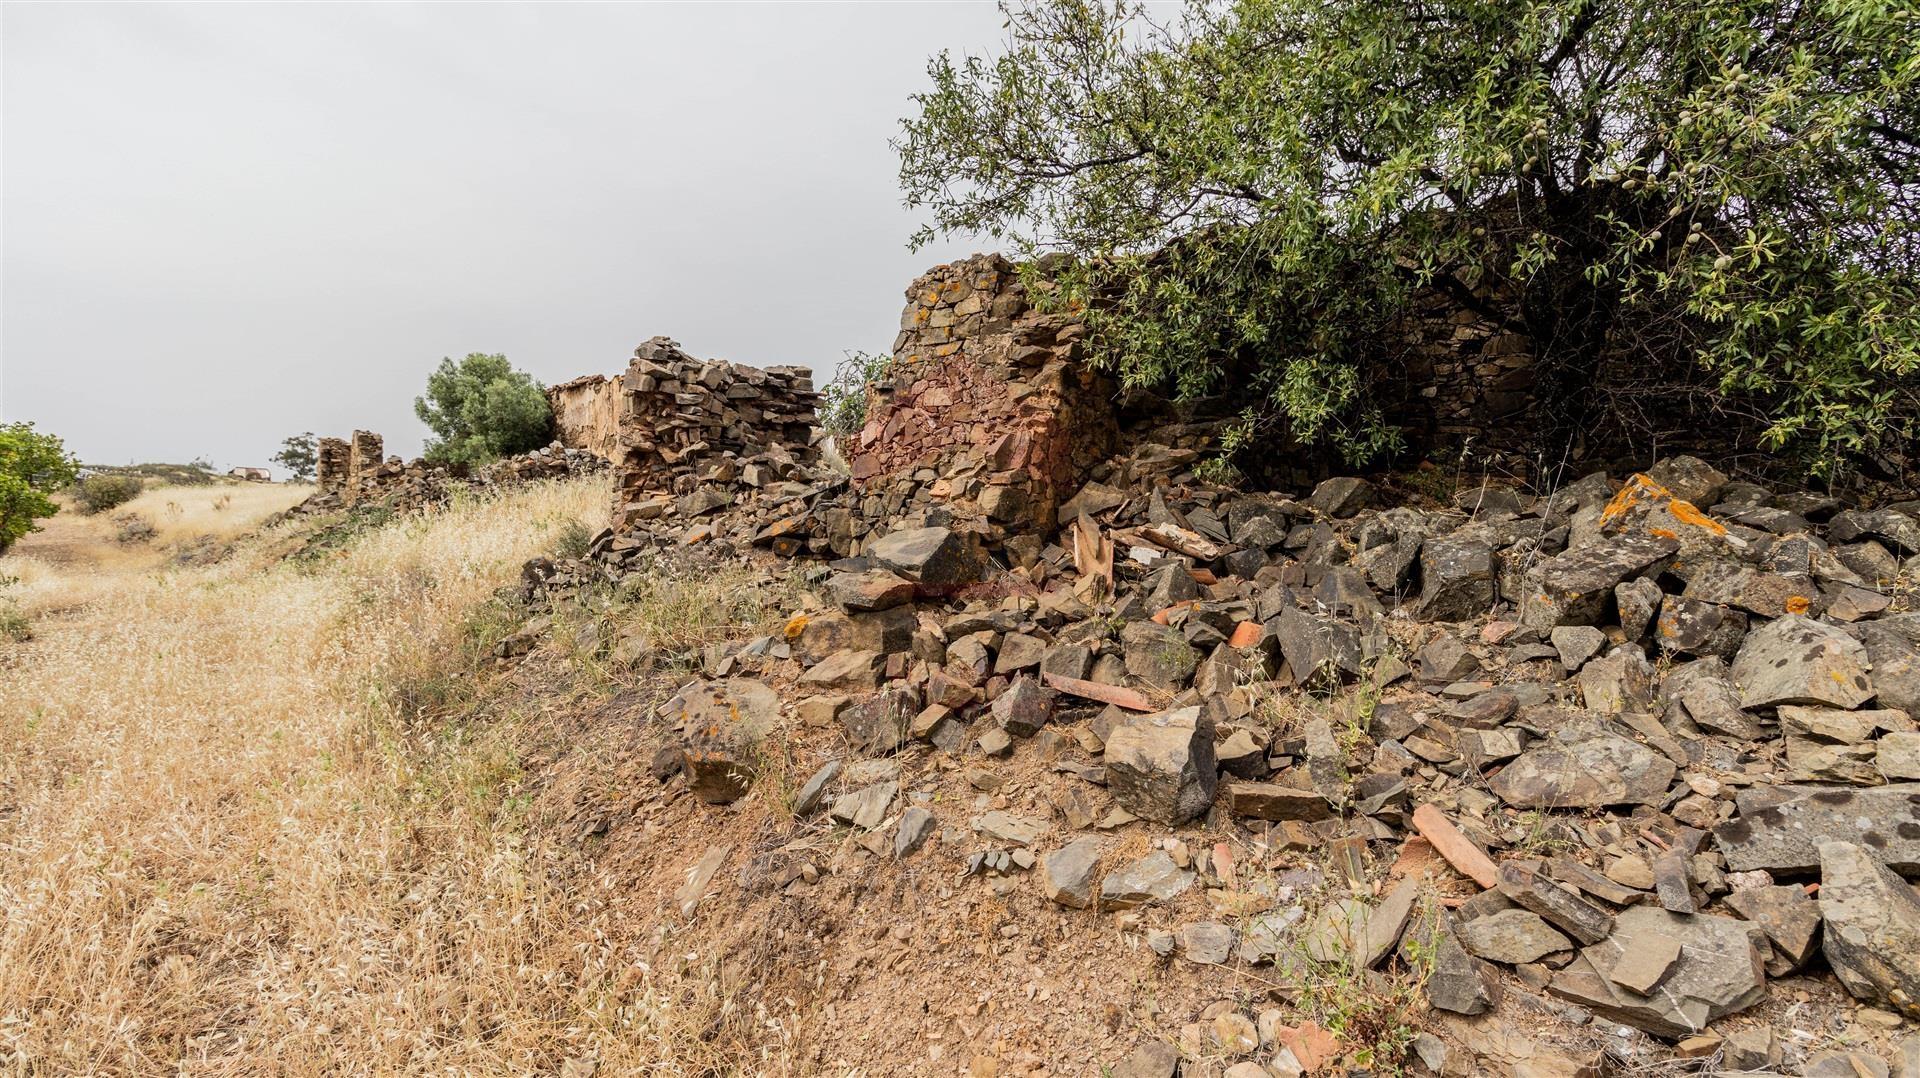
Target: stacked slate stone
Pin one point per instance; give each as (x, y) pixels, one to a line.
(1618, 727)
(333, 465)
(404, 486)
(985, 408)
(364, 454)
(686, 416)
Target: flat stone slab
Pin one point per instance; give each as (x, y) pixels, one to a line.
(1153, 878)
(1872, 928)
(1720, 970)
(1585, 774)
(1796, 660)
(1780, 828)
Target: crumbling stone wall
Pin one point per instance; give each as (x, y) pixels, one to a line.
(365, 453)
(687, 421)
(586, 414)
(331, 465)
(986, 408)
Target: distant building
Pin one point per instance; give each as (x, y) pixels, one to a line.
(253, 475)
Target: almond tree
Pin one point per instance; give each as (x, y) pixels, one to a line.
(1255, 189)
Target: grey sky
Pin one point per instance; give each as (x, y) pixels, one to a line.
(225, 223)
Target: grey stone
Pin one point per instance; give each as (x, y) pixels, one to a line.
(1024, 707)
(1598, 771)
(1641, 968)
(873, 589)
(1786, 914)
(1161, 767)
(856, 670)
(1780, 828)
(1018, 652)
(1706, 696)
(1006, 827)
(1153, 1059)
(1576, 644)
(1205, 943)
(1456, 578)
(1689, 479)
(1316, 647)
(1691, 627)
(808, 799)
(1272, 801)
(882, 722)
(1158, 655)
(1153, 878)
(1066, 874)
(1637, 601)
(1889, 526)
(1457, 982)
(1574, 588)
(1719, 972)
(1621, 681)
(1897, 756)
(1342, 496)
(1893, 648)
(1563, 907)
(935, 558)
(916, 825)
(865, 808)
(1796, 660)
(1513, 937)
(1872, 927)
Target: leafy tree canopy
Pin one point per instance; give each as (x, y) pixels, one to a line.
(480, 409)
(1262, 185)
(298, 455)
(32, 465)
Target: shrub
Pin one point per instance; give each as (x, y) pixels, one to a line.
(99, 493)
(31, 466)
(1727, 190)
(843, 402)
(480, 409)
(573, 541)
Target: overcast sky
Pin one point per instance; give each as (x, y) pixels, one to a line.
(224, 223)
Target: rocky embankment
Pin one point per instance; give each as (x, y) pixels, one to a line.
(1623, 755)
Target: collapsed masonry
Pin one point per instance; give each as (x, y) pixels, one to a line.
(341, 463)
(692, 425)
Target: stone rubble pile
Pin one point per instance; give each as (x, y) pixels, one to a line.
(1637, 747)
(408, 486)
(691, 423)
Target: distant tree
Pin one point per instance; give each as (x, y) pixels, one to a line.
(1253, 189)
(32, 466)
(297, 455)
(481, 408)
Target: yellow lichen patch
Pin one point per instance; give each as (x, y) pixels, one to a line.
(1798, 604)
(1687, 513)
(1629, 496)
(796, 625)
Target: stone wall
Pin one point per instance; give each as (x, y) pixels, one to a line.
(985, 408)
(331, 465)
(586, 414)
(688, 421)
(365, 452)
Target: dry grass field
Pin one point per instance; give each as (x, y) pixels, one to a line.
(232, 843)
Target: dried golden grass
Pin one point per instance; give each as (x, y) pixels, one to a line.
(241, 831)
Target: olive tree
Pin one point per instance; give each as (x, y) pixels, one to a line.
(1260, 187)
(481, 408)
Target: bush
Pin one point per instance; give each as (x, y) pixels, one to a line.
(1728, 190)
(31, 466)
(574, 540)
(843, 402)
(99, 493)
(480, 409)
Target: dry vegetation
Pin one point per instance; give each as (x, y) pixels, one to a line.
(238, 833)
